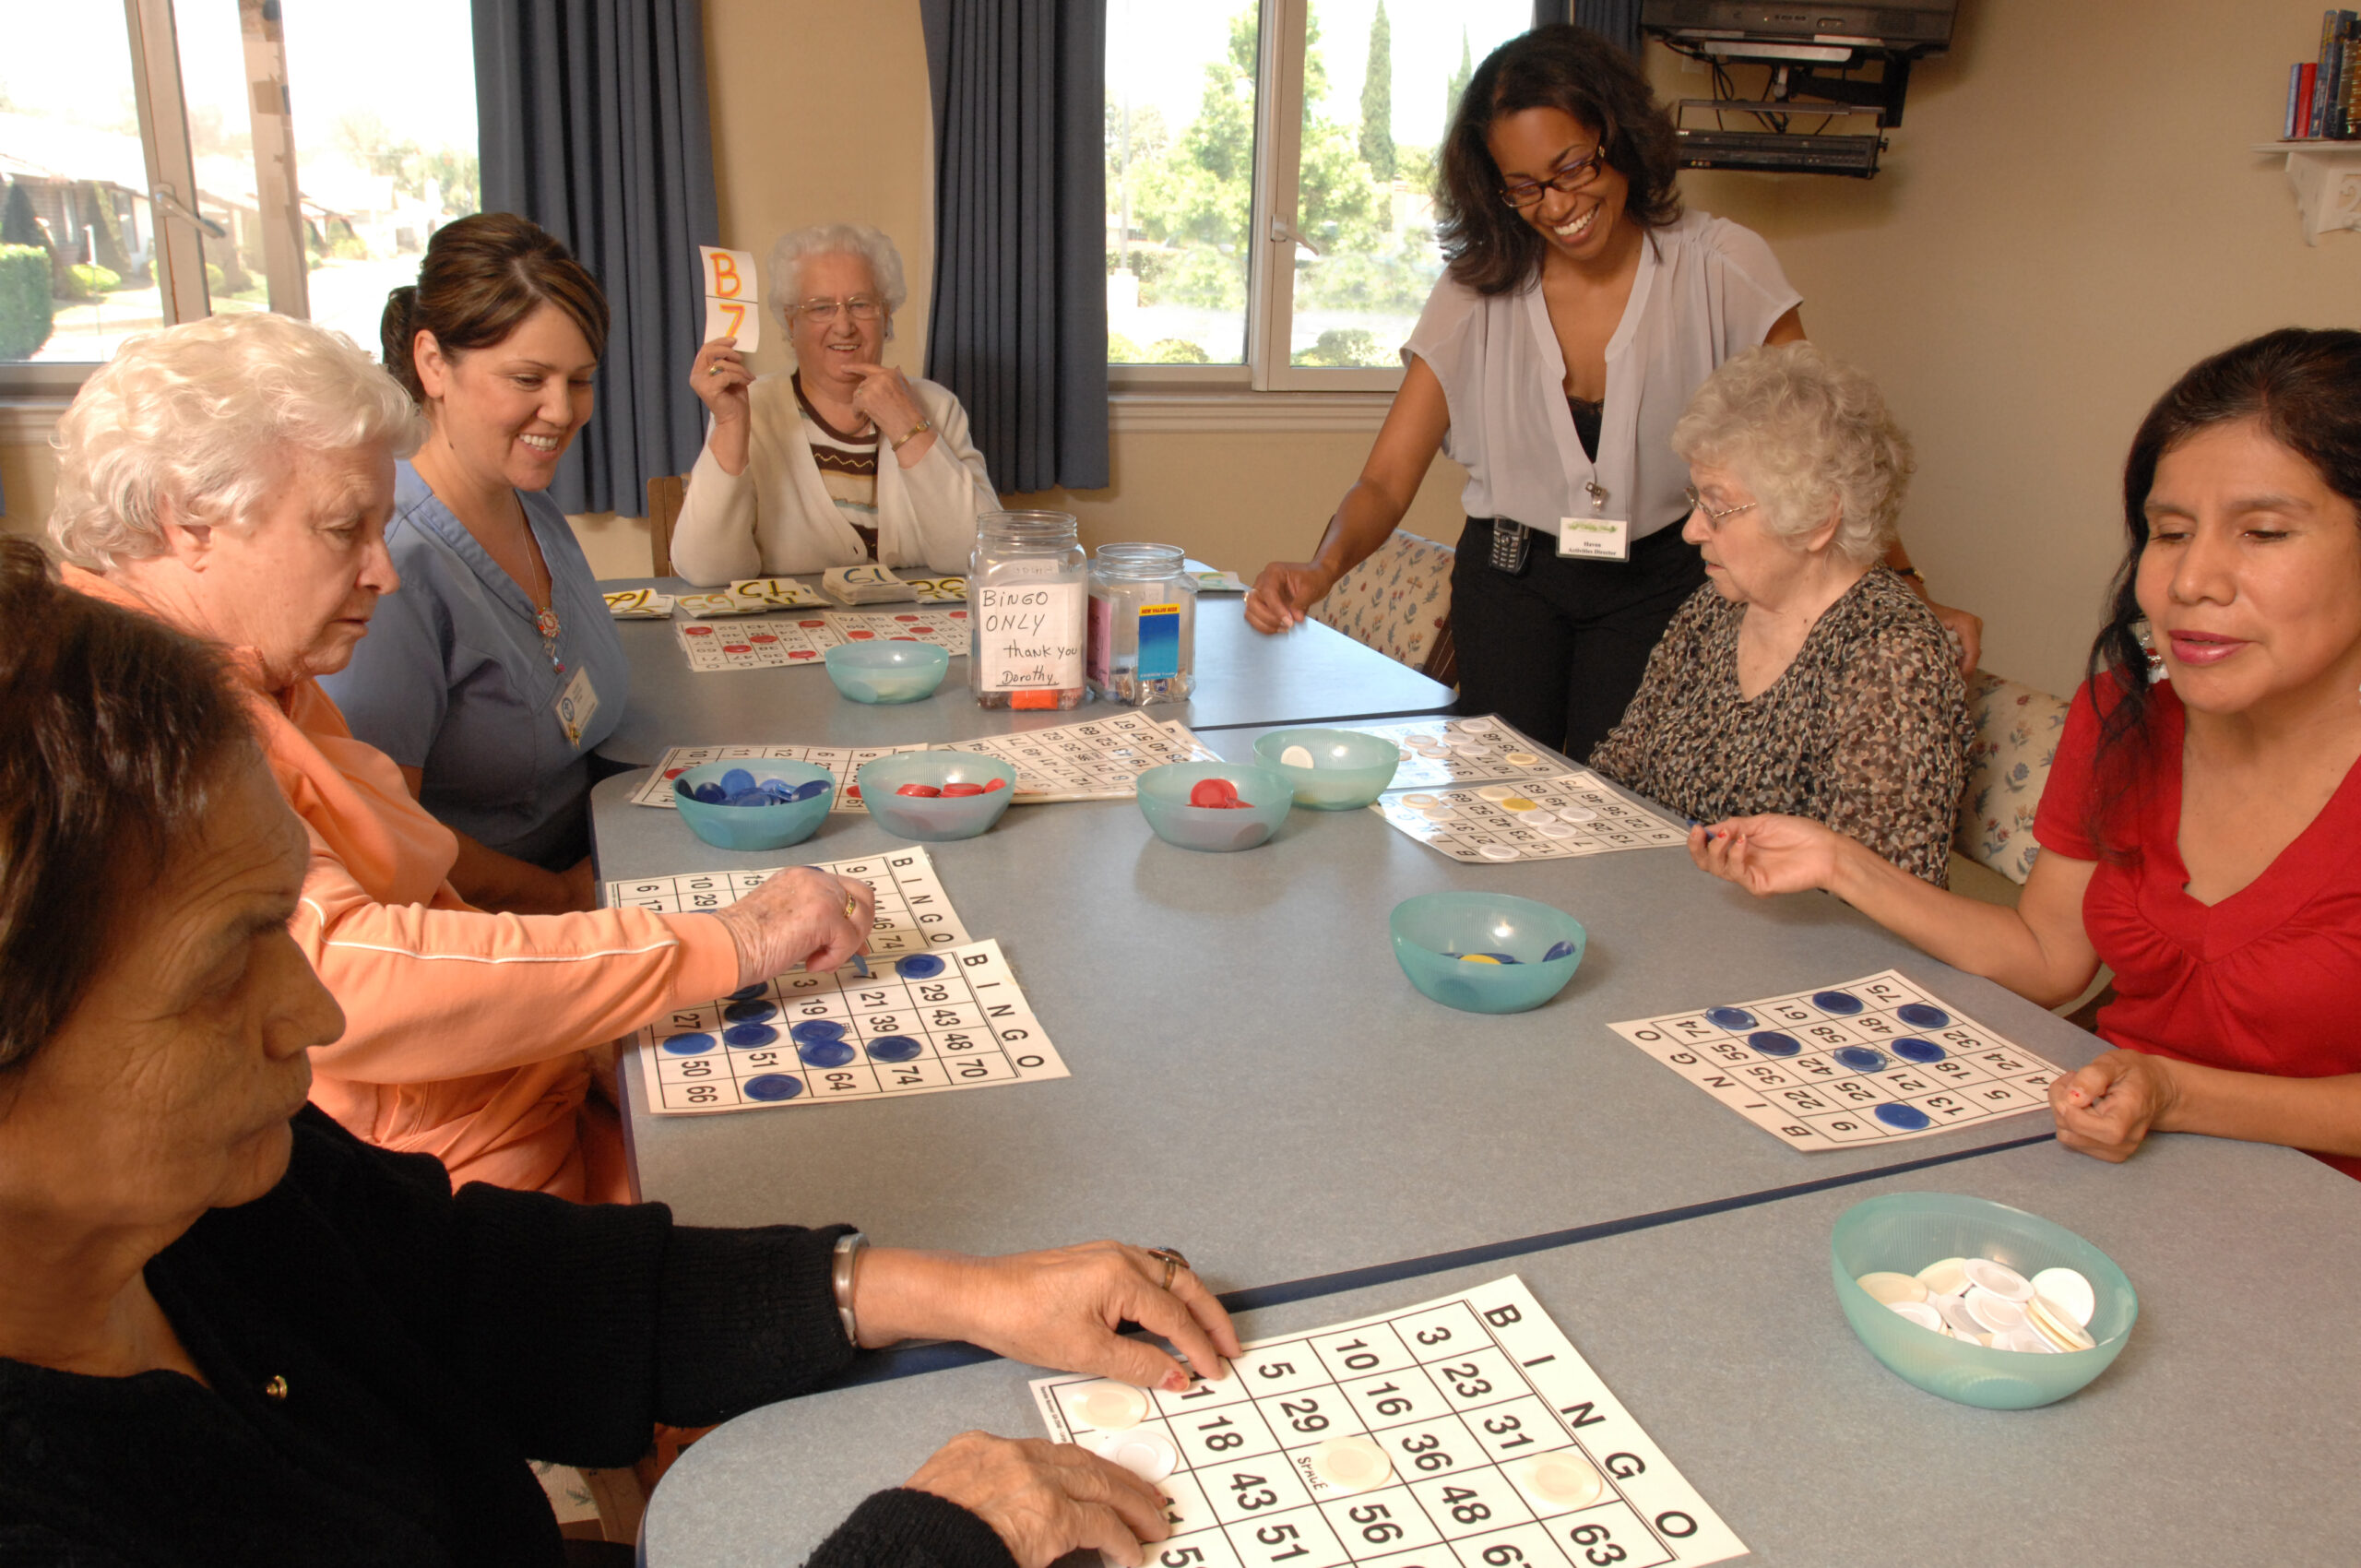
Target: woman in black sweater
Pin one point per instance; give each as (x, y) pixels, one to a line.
(230, 1331)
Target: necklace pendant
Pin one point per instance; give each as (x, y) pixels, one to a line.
(546, 623)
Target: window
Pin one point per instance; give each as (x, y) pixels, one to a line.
(1270, 215)
(146, 150)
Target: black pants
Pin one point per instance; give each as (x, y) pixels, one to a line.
(1557, 649)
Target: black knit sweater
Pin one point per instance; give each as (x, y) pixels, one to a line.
(426, 1344)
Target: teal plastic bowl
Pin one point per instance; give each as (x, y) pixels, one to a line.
(1349, 769)
(757, 828)
(1433, 930)
(1164, 800)
(1902, 1232)
(935, 820)
(886, 671)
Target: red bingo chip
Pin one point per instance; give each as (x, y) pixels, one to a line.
(905, 617)
(763, 638)
(696, 631)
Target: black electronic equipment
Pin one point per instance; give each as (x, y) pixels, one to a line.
(1751, 30)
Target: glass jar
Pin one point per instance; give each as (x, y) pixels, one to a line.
(1143, 623)
(1028, 600)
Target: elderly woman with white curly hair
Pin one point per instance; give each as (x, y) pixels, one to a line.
(1804, 677)
(840, 460)
(232, 478)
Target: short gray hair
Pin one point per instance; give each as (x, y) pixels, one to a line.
(1808, 432)
(835, 238)
(202, 418)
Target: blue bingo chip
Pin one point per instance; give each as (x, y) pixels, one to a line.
(815, 1031)
(773, 1086)
(826, 1052)
(918, 965)
(748, 1037)
(895, 1048)
(1844, 1004)
(1859, 1058)
(1910, 1048)
(1770, 1042)
(1903, 1118)
(689, 1044)
(750, 1012)
(1729, 1018)
(1918, 1016)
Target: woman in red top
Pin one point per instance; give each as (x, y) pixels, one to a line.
(2203, 833)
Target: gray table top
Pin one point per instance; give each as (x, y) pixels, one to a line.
(1253, 1079)
(2223, 1434)
(1312, 675)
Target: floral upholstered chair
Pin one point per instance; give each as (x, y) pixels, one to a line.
(1398, 602)
(2016, 739)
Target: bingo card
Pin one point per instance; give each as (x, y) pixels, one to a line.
(1871, 1059)
(913, 911)
(947, 629)
(1447, 753)
(951, 1018)
(1464, 1432)
(1537, 819)
(844, 762)
(760, 644)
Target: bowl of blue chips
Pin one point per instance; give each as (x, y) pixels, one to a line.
(1486, 952)
(760, 803)
(1979, 1302)
(886, 671)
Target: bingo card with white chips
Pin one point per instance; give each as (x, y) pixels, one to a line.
(1464, 1432)
(1448, 753)
(1874, 1059)
(1533, 819)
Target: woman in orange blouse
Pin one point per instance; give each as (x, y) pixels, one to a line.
(233, 477)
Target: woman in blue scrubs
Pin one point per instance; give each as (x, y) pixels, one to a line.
(493, 671)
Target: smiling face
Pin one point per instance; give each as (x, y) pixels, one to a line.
(1587, 226)
(167, 1090)
(297, 582)
(2251, 575)
(823, 350)
(505, 414)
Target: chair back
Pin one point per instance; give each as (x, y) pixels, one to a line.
(1398, 602)
(664, 497)
(2016, 740)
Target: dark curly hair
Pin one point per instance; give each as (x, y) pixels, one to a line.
(115, 733)
(2304, 388)
(481, 278)
(1490, 248)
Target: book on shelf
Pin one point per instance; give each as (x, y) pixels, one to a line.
(2344, 112)
(2327, 98)
(2306, 84)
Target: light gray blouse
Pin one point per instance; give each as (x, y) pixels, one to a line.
(1707, 289)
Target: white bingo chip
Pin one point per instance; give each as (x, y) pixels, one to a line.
(1522, 759)
(1148, 1454)
(1999, 1278)
(1295, 756)
(1109, 1407)
(2064, 1288)
(1887, 1288)
(1353, 1464)
(1947, 1277)
(1558, 1481)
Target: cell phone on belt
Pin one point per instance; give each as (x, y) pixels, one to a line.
(1512, 543)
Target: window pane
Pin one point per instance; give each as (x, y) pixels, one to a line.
(385, 146)
(1180, 179)
(1380, 84)
(220, 136)
(76, 238)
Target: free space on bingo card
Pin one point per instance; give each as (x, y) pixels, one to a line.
(1871, 1059)
(1463, 1433)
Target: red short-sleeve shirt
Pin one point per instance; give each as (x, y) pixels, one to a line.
(2263, 982)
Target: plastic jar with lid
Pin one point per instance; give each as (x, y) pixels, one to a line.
(1143, 623)
(1028, 592)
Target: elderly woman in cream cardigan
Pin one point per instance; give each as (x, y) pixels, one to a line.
(841, 460)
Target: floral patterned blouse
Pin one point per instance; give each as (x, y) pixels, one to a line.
(1867, 730)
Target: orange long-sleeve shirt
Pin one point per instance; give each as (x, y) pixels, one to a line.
(467, 1034)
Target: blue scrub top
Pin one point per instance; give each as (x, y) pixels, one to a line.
(452, 679)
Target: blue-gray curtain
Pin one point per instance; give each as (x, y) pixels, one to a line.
(592, 123)
(1618, 21)
(1018, 327)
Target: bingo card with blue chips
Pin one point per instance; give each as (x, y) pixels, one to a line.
(1869, 1060)
(1463, 1433)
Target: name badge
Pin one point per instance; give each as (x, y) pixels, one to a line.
(1595, 539)
(575, 706)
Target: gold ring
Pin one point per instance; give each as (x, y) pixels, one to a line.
(713, 370)
(852, 909)
(1173, 1263)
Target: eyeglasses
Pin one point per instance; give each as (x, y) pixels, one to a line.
(1697, 503)
(861, 307)
(1572, 177)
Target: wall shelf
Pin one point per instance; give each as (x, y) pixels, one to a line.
(2326, 178)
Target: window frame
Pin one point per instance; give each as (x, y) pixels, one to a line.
(151, 36)
(1271, 238)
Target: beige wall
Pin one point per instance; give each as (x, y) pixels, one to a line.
(2068, 216)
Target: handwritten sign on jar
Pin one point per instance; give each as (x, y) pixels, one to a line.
(1028, 602)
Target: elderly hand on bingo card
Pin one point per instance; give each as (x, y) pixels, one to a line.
(799, 916)
(1047, 1499)
(2107, 1108)
(1054, 1309)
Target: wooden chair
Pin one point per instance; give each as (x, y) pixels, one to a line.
(665, 494)
(1398, 602)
